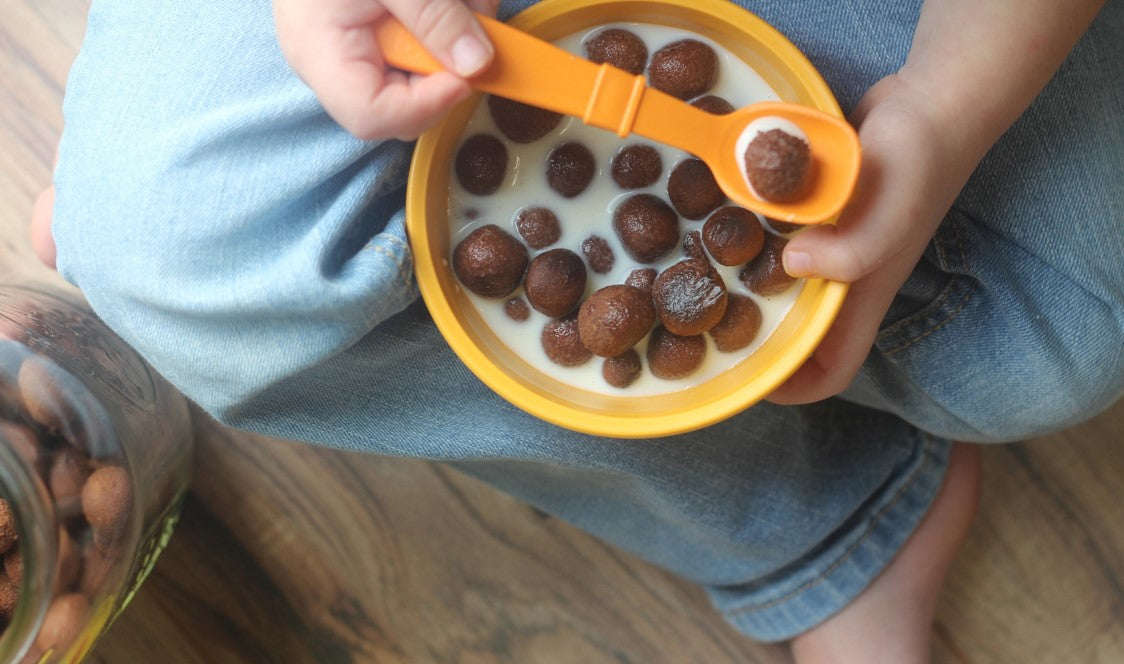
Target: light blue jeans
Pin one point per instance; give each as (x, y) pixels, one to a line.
(219, 221)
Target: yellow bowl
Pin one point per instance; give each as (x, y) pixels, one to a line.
(788, 72)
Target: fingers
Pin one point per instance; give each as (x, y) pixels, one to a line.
(42, 242)
(330, 44)
(448, 31)
(882, 219)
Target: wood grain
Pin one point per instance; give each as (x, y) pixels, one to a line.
(288, 553)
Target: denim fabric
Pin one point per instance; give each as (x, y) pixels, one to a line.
(255, 253)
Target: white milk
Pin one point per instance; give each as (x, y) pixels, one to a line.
(590, 213)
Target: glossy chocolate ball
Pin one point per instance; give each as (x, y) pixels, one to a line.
(714, 105)
(739, 325)
(733, 235)
(685, 69)
(555, 282)
(481, 164)
(642, 278)
(778, 165)
(562, 343)
(539, 226)
(765, 274)
(647, 227)
(671, 356)
(622, 370)
(692, 189)
(690, 297)
(570, 168)
(636, 166)
(522, 123)
(614, 318)
(618, 47)
(490, 262)
(598, 254)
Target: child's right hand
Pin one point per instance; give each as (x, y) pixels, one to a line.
(330, 45)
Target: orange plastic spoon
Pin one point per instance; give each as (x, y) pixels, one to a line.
(536, 72)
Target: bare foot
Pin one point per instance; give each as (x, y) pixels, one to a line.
(891, 621)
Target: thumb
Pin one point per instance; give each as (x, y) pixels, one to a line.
(448, 30)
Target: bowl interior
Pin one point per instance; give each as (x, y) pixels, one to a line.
(787, 72)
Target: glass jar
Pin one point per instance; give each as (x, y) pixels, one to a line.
(95, 454)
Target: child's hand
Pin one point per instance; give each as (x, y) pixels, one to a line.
(909, 180)
(330, 45)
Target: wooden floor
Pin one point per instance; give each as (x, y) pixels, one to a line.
(290, 554)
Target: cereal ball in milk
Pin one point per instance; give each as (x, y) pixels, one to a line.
(598, 253)
(636, 166)
(733, 235)
(570, 168)
(555, 282)
(521, 122)
(539, 226)
(516, 309)
(614, 318)
(490, 262)
(692, 189)
(693, 246)
(671, 356)
(778, 165)
(481, 164)
(562, 343)
(765, 274)
(642, 278)
(618, 47)
(685, 69)
(622, 370)
(714, 105)
(690, 297)
(739, 325)
(647, 227)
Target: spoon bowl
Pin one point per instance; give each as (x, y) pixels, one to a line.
(613, 99)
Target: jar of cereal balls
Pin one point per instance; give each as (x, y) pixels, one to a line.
(95, 453)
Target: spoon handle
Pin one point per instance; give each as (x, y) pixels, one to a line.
(534, 72)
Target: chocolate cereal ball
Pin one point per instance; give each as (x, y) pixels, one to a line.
(622, 370)
(690, 297)
(521, 122)
(642, 278)
(490, 262)
(714, 105)
(539, 226)
(555, 282)
(570, 168)
(614, 319)
(618, 47)
(516, 309)
(778, 165)
(598, 253)
(671, 356)
(692, 190)
(647, 227)
(739, 325)
(693, 246)
(733, 235)
(562, 344)
(765, 274)
(685, 69)
(636, 166)
(481, 164)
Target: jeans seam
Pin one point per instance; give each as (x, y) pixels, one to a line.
(850, 550)
(945, 255)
